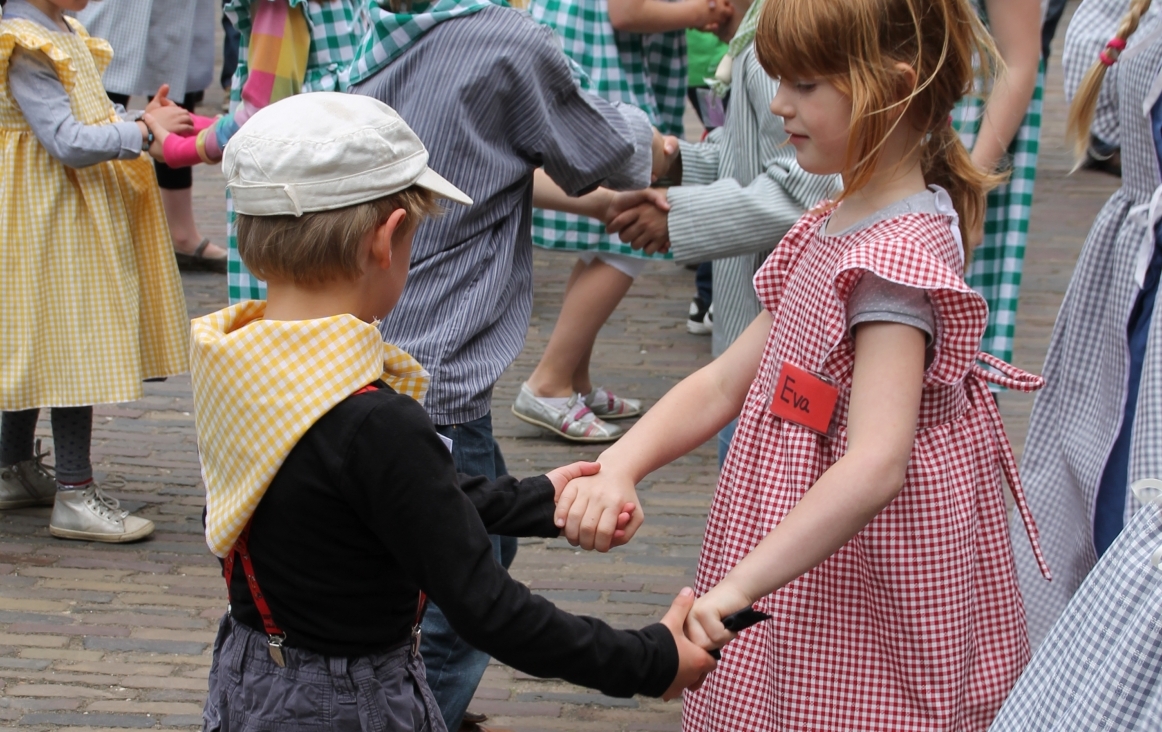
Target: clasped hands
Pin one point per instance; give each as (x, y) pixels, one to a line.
(598, 508)
(640, 218)
(162, 117)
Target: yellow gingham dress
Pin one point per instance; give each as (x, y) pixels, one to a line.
(90, 296)
(260, 384)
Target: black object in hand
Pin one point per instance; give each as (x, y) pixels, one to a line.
(740, 621)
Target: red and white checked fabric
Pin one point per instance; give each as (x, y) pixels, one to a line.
(917, 622)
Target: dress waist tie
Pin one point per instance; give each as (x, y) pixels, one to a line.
(1010, 377)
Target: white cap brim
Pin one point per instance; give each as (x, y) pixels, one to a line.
(436, 183)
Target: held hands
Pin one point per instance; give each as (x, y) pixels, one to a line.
(599, 512)
(561, 477)
(717, 14)
(163, 117)
(640, 219)
(694, 663)
(704, 623)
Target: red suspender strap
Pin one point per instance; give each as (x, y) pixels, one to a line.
(243, 551)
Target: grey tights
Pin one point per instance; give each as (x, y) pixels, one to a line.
(72, 434)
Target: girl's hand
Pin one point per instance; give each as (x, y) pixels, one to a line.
(694, 663)
(704, 623)
(157, 149)
(590, 508)
(170, 119)
(161, 99)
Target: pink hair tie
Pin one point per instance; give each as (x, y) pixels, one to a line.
(1118, 45)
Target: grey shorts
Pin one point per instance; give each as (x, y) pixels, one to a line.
(378, 693)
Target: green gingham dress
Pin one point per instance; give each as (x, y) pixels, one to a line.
(645, 70)
(996, 266)
(336, 29)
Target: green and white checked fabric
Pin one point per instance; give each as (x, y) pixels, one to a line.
(645, 70)
(336, 28)
(392, 33)
(997, 263)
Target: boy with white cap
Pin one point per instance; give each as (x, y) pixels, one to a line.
(331, 499)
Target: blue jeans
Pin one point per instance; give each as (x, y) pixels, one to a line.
(454, 667)
(724, 438)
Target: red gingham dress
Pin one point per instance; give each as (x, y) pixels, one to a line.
(917, 622)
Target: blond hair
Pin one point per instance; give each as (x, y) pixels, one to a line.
(1085, 101)
(856, 45)
(323, 246)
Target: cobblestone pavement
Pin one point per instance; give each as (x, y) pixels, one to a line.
(104, 636)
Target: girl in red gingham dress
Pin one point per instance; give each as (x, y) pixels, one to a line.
(873, 532)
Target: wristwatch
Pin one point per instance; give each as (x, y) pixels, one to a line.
(147, 142)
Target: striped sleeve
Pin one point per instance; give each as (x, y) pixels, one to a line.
(701, 160)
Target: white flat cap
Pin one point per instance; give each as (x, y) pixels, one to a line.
(322, 151)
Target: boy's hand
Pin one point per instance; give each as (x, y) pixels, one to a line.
(626, 200)
(590, 509)
(704, 623)
(172, 119)
(694, 663)
(562, 475)
(665, 151)
(645, 228)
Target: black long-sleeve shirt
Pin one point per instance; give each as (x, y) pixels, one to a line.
(368, 509)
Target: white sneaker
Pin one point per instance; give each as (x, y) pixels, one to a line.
(27, 483)
(90, 515)
(700, 320)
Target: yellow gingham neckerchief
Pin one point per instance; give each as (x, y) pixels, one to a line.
(259, 385)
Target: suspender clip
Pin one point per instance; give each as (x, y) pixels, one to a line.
(274, 645)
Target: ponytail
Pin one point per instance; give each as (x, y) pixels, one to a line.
(1085, 101)
(946, 163)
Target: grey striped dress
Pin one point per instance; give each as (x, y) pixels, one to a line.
(155, 42)
(1077, 417)
(741, 192)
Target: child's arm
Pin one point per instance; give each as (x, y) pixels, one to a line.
(687, 416)
(1015, 26)
(885, 402)
(658, 16)
(410, 499)
(279, 46)
(45, 105)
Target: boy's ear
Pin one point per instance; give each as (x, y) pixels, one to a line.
(384, 238)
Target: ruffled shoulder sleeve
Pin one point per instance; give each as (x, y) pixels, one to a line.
(20, 33)
(99, 47)
(923, 251)
(770, 277)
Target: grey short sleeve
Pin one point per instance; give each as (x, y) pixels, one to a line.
(876, 300)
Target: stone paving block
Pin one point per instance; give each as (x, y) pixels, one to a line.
(136, 707)
(189, 648)
(62, 690)
(589, 699)
(181, 720)
(104, 720)
(67, 654)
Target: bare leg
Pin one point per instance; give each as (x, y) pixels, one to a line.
(593, 293)
(179, 212)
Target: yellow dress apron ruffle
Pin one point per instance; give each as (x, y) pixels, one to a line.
(91, 300)
(259, 385)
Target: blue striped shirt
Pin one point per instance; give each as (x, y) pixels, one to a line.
(492, 97)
